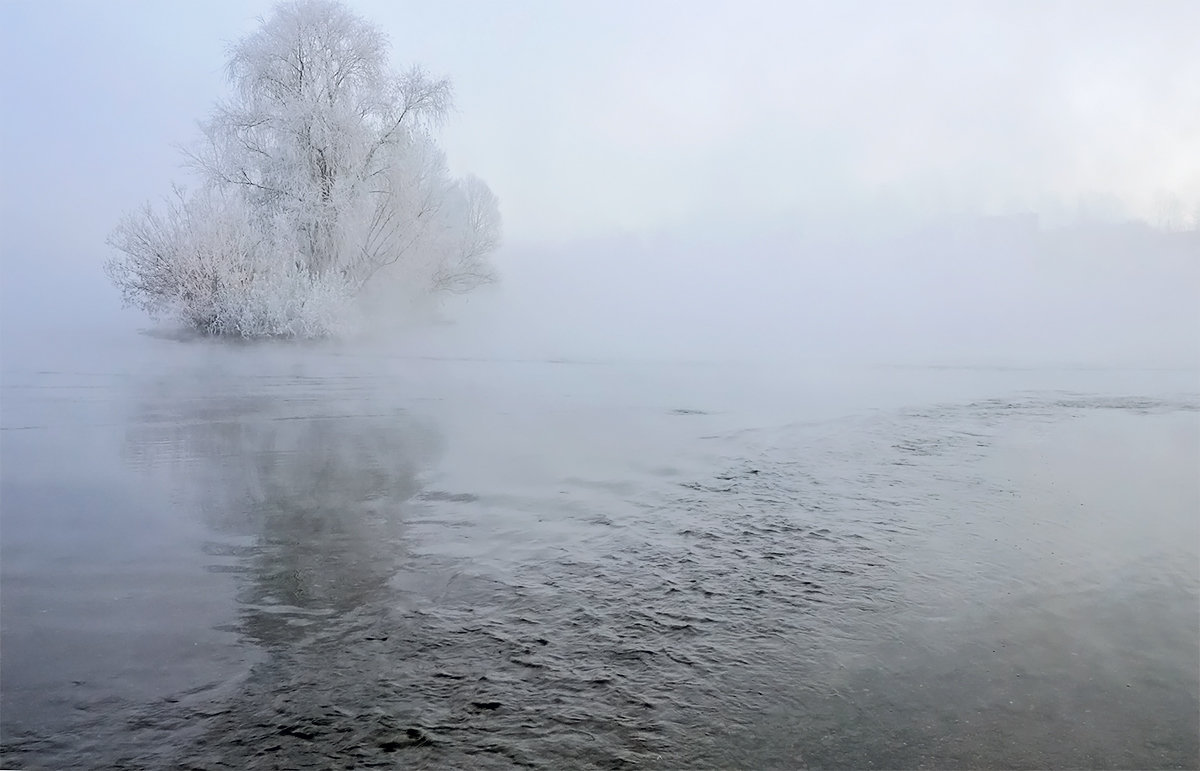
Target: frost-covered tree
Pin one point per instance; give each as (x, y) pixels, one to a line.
(321, 179)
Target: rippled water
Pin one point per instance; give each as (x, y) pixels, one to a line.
(285, 557)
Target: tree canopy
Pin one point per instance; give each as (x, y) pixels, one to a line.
(321, 182)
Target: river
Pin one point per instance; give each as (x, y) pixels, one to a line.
(287, 556)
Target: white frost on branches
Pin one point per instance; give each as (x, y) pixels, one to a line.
(321, 179)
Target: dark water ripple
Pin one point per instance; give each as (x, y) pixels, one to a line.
(762, 601)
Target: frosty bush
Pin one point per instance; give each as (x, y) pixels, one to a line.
(320, 180)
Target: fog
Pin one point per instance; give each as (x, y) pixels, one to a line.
(991, 183)
(838, 404)
(980, 293)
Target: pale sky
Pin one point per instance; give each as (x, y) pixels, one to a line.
(670, 123)
(592, 118)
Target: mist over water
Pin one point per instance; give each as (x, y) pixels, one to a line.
(272, 555)
(769, 501)
(838, 406)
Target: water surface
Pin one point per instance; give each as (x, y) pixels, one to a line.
(262, 556)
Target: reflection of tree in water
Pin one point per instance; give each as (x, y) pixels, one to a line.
(376, 656)
(304, 494)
